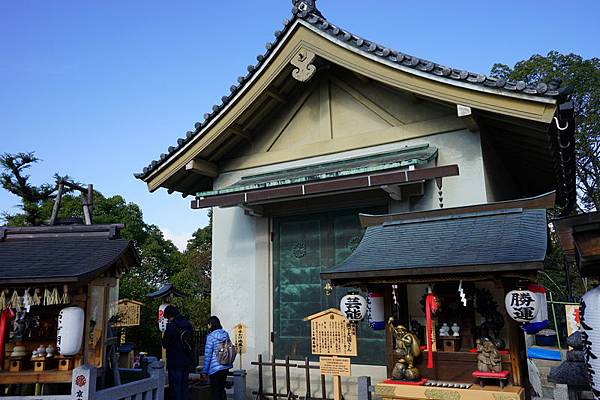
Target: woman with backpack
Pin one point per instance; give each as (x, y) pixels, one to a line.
(219, 354)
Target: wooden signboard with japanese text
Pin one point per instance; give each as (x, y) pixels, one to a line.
(337, 366)
(332, 334)
(240, 333)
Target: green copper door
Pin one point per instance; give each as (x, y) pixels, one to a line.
(303, 247)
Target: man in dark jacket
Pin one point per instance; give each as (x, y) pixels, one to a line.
(177, 341)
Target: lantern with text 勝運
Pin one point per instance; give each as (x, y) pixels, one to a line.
(522, 305)
(354, 307)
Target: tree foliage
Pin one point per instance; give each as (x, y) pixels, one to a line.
(161, 261)
(584, 77)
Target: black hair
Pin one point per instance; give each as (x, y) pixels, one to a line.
(214, 323)
(170, 311)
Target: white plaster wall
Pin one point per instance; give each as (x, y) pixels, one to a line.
(499, 184)
(241, 273)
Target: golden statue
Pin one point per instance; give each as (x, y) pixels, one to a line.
(406, 349)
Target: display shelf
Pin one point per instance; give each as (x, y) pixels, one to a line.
(30, 376)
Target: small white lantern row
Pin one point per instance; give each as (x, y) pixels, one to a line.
(354, 306)
(589, 313)
(522, 305)
(69, 333)
(376, 311)
(162, 321)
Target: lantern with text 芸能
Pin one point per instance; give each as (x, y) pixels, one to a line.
(354, 307)
(522, 305)
(375, 311)
(589, 314)
(69, 333)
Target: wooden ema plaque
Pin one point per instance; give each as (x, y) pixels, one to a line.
(331, 334)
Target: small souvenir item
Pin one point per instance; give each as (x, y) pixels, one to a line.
(445, 330)
(455, 329)
(49, 351)
(18, 352)
(41, 351)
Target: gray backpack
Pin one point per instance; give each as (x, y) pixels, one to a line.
(226, 352)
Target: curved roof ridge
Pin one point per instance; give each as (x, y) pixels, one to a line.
(306, 10)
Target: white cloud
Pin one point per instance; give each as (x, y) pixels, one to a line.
(179, 239)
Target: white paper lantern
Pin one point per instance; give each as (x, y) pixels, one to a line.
(69, 335)
(162, 321)
(522, 305)
(589, 313)
(376, 311)
(354, 306)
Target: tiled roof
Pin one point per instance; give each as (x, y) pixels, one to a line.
(473, 239)
(37, 255)
(306, 10)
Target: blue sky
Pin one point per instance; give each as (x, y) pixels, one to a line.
(100, 88)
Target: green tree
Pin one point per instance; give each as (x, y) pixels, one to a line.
(14, 180)
(584, 77)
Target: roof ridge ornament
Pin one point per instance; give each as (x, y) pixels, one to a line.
(304, 7)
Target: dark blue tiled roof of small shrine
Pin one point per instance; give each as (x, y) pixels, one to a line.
(305, 10)
(63, 254)
(440, 244)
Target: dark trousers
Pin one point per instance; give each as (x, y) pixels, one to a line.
(178, 383)
(217, 385)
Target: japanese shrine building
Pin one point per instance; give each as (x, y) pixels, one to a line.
(327, 125)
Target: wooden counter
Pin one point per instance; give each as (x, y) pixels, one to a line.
(409, 392)
(50, 376)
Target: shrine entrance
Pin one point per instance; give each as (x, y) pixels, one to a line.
(303, 247)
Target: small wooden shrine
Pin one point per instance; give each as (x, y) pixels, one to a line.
(466, 259)
(58, 289)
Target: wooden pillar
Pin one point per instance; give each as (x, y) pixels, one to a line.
(387, 306)
(516, 344)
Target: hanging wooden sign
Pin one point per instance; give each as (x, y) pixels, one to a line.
(240, 334)
(332, 334)
(128, 313)
(337, 366)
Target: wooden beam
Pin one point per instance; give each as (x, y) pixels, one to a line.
(393, 191)
(465, 114)
(237, 131)
(276, 96)
(202, 167)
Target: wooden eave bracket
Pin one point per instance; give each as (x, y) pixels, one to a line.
(466, 115)
(202, 167)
